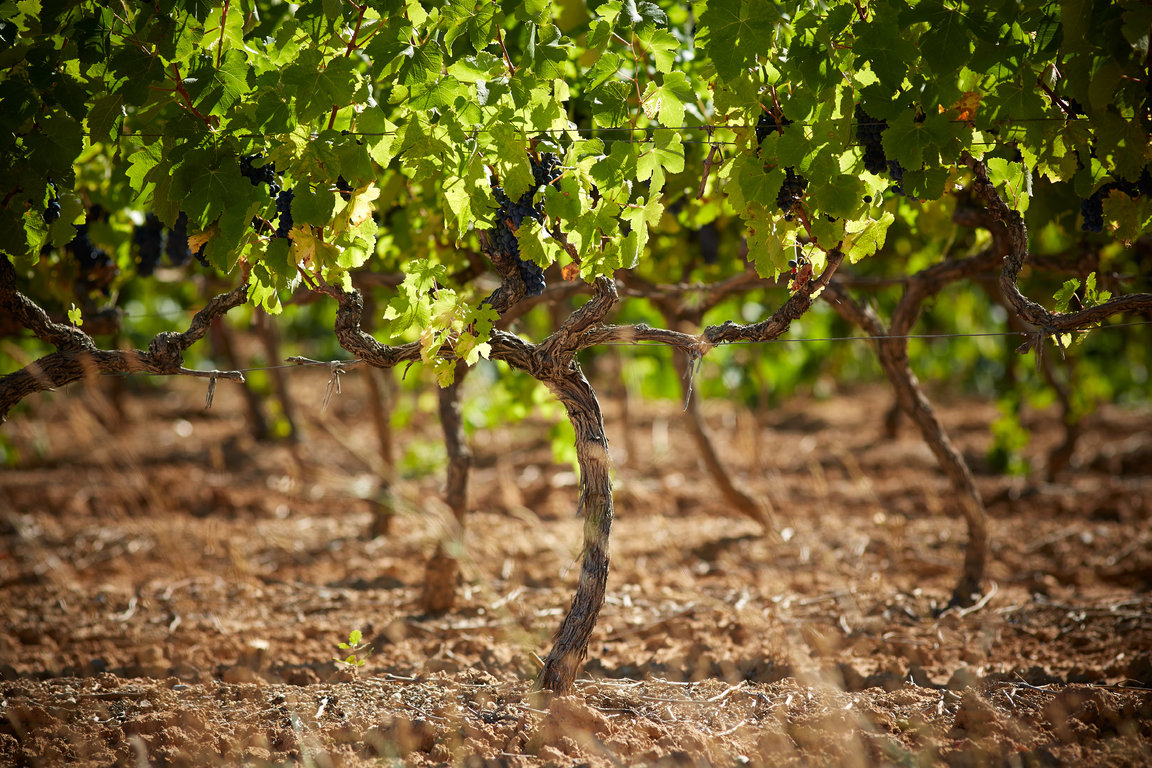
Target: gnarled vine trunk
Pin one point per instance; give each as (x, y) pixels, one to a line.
(571, 642)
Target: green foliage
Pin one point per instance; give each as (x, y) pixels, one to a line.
(390, 121)
(357, 652)
(1009, 439)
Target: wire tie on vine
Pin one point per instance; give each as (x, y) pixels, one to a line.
(695, 360)
(333, 384)
(211, 393)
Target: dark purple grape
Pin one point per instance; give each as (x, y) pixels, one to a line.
(177, 246)
(868, 132)
(767, 123)
(96, 267)
(511, 214)
(791, 193)
(264, 174)
(52, 209)
(149, 238)
(284, 208)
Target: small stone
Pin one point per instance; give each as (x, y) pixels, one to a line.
(853, 680)
(963, 677)
(919, 676)
(187, 673)
(255, 655)
(239, 674)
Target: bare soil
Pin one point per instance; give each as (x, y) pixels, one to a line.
(173, 593)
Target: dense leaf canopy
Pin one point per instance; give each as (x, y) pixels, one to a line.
(390, 121)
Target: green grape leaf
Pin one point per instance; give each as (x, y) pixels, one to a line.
(865, 237)
(568, 202)
(313, 204)
(511, 156)
(536, 244)
(317, 87)
(666, 152)
(379, 135)
(640, 216)
(667, 100)
(841, 195)
(663, 46)
(106, 114)
(750, 183)
(731, 33)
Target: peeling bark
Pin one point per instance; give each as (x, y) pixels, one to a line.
(571, 641)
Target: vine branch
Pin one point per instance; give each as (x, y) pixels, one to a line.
(77, 355)
(1048, 323)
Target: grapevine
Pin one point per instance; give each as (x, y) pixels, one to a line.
(390, 143)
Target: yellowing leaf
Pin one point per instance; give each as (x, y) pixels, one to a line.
(360, 207)
(196, 242)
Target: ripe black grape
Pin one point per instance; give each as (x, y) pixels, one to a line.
(177, 246)
(52, 210)
(96, 267)
(284, 208)
(709, 238)
(790, 194)
(149, 237)
(511, 215)
(265, 174)
(896, 171)
(533, 277)
(768, 123)
(868, 133)
(1092, 209)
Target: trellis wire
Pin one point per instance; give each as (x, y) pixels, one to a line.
(303, 363)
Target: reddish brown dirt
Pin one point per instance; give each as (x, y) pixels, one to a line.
(173, 594)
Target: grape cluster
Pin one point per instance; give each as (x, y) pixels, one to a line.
(512, 213)
(264, 174)
(791, 193)
(177, 246)
(768, 123)
(284, 209)
(1092, 209)
(52, 211)
(96, 267)
(149, 237)
(896, 172)
(869, 132)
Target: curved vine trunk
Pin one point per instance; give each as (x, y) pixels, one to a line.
(571, 641)
(893, 356)
(894, 360)
(442, 571)
(742, 502)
